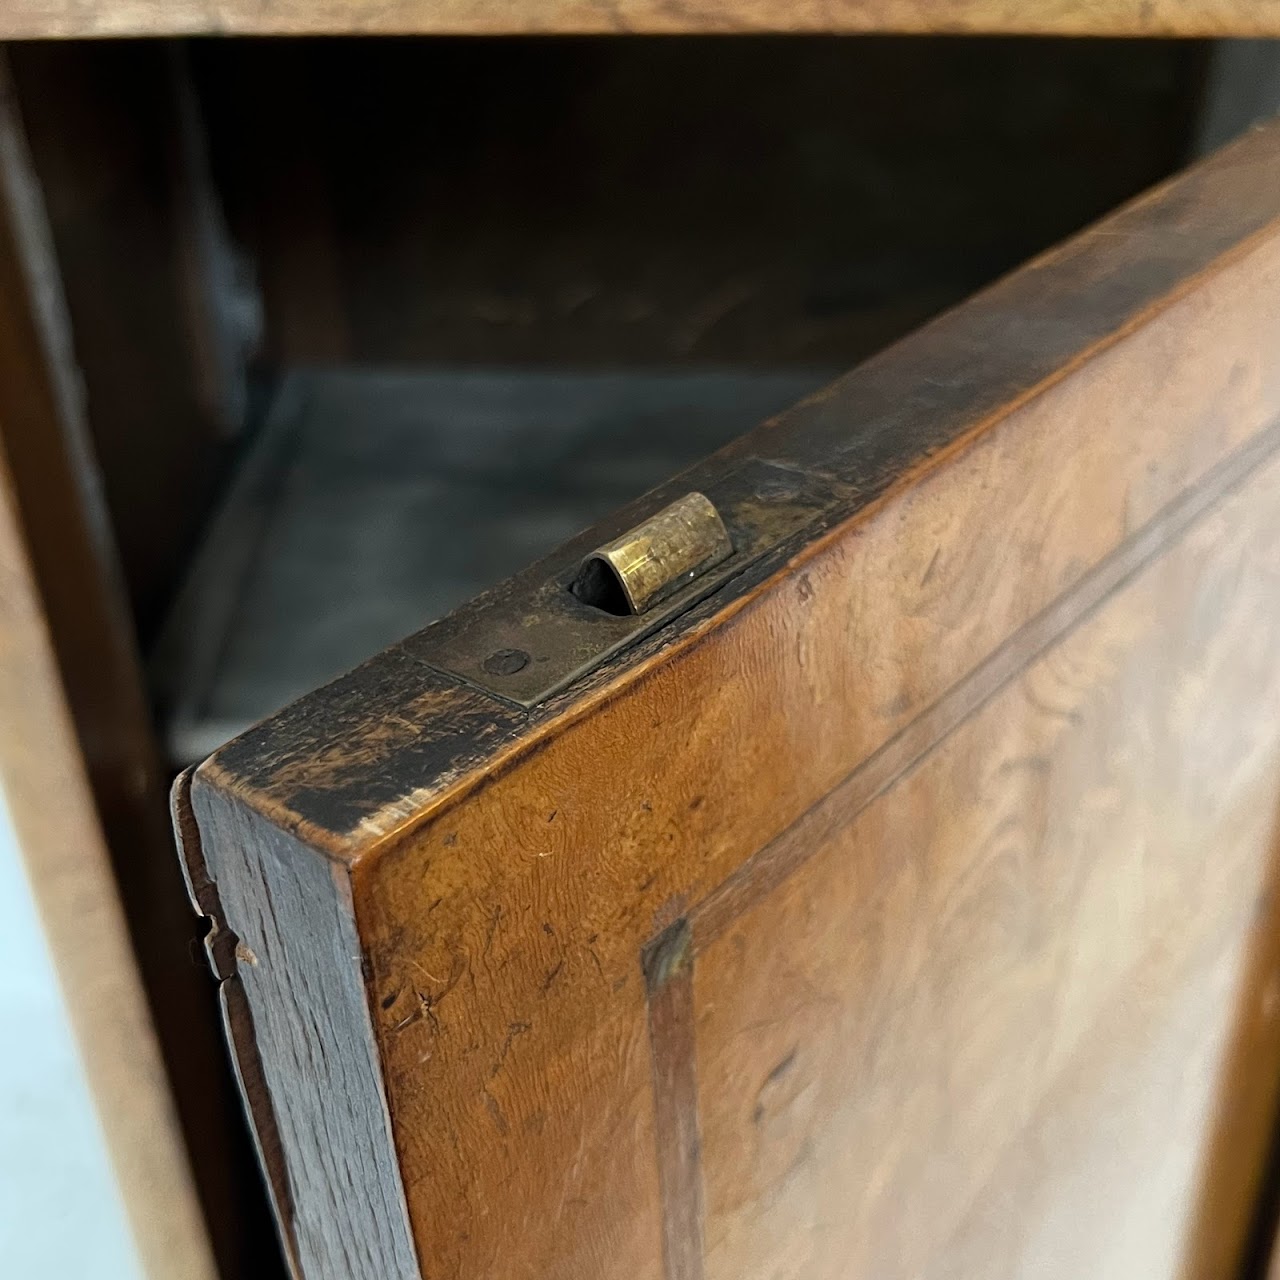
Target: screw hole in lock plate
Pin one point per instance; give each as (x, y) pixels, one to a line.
(506, 662)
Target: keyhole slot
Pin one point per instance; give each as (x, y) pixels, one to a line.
(599, 585)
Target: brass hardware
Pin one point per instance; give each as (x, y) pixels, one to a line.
(654, 560)
(529, 637)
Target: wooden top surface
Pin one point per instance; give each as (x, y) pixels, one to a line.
(377, 751)
(37, 19)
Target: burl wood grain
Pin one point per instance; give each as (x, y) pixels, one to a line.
(905, 906)
(991, 1005)
(25, 19)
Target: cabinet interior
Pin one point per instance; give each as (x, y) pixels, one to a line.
(367, 325)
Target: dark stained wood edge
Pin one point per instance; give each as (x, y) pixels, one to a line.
(202, 893)
(220, 945)
(414, 739)
(246, 1066)
(771, 865)
(67, 19)
(668, 970)
(297, 1009)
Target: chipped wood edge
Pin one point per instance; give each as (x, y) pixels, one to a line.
(223, 952)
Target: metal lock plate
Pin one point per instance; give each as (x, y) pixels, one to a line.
(531, 636)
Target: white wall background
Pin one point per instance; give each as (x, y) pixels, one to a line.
(60, 1215)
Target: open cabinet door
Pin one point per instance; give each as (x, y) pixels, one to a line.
(894, 896)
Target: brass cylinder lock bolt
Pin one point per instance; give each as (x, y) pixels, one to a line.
(653, 561)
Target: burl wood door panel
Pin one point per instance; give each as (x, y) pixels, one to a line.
(903, 907)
